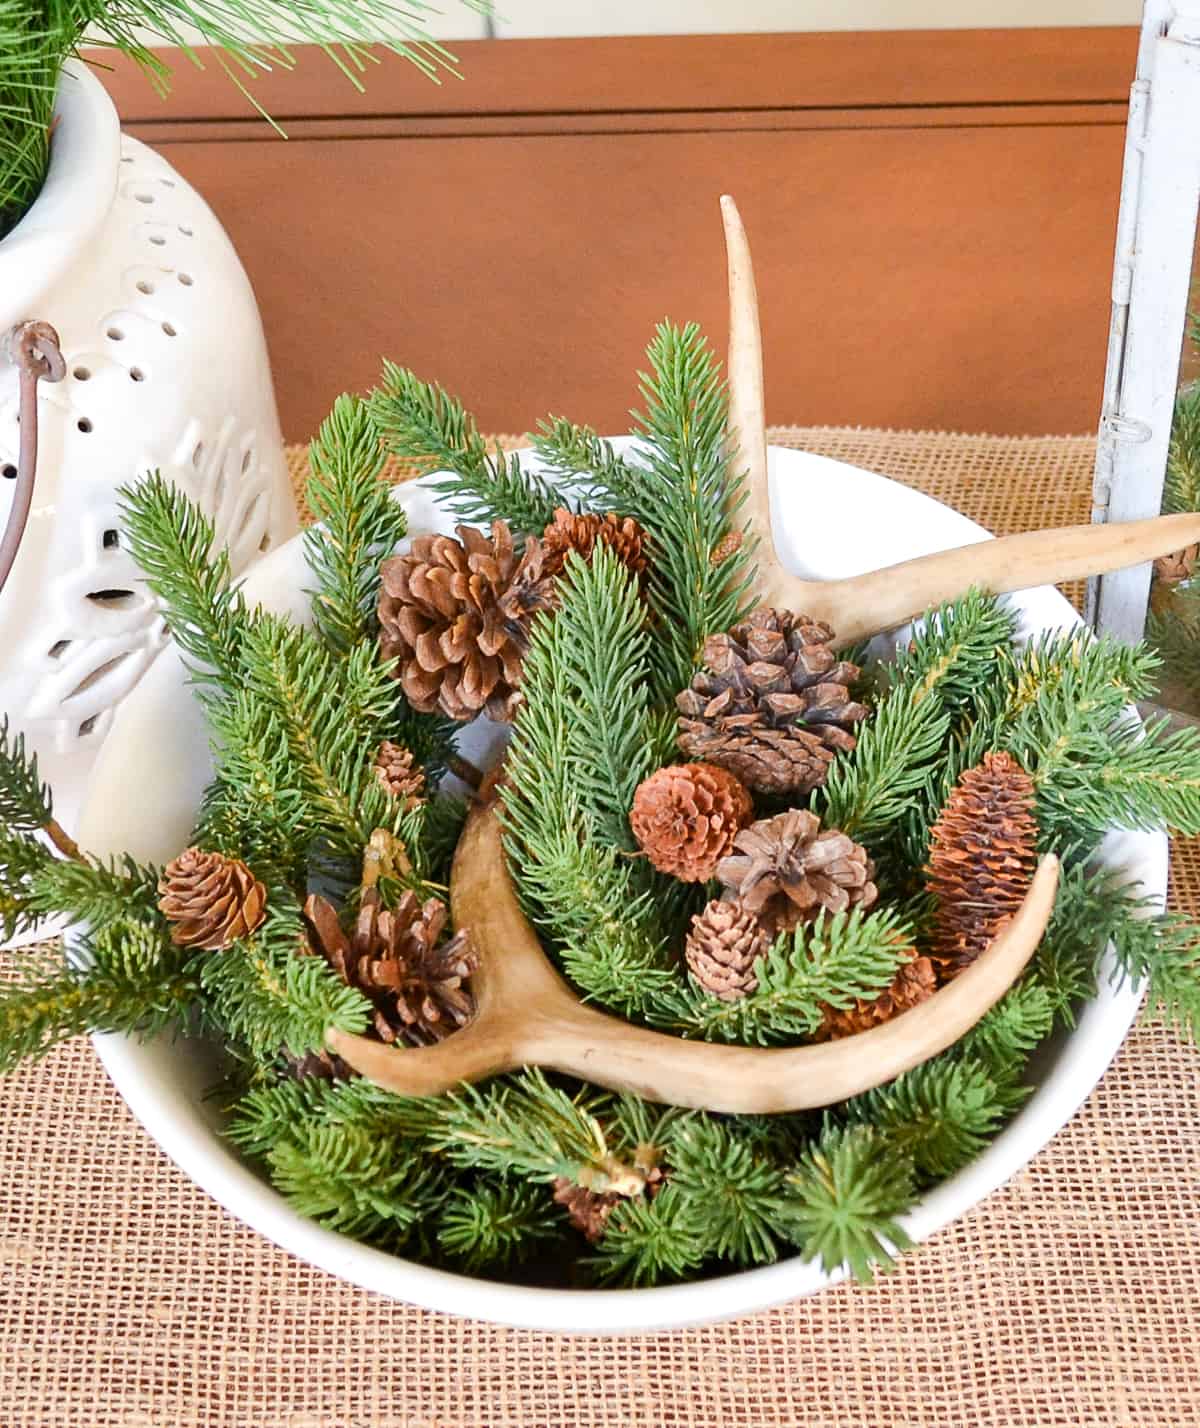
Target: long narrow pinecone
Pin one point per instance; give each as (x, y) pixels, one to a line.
(396, 958)
(786, 870)
(454, 613)
(772, 703)
(983, 855)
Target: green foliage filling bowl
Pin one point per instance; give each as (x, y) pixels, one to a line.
(831, 520)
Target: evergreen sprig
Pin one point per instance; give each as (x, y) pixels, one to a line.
(494, 1225)
(26, 804)
(681, 489)
(940, 1115)
(122, 979)
(174, 544)
(422, 424)
(953, 655)
(360, 524)
(269, 992)
(845, 1199)
(582, 741)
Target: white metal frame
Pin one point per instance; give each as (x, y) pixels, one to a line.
(1156, 236)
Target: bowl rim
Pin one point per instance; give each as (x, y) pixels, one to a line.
(171, 1118)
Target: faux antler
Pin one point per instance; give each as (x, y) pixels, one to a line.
(528, 1016)
(865, 604)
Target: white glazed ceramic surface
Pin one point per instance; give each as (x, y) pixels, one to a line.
(166, 368)
(835, 521)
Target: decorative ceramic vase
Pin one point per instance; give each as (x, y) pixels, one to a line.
(166, 367)
(830, 520)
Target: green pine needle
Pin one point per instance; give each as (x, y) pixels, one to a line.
(269, 992)
(25, 801)
(845, 1198)
(360, 524)
(492, 1226)
(939, 1116)
(173, 543)
(423, 424)
(829, 962)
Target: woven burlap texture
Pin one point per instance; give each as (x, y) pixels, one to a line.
(1071, 1296)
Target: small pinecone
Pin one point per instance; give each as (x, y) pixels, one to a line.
(442, 615)
(684, 818)
(568, 531)
(784, 870)
(210, 900)
(983, 854)
(1178, 566)
(394, 958)
(914, 981)
(587, 1210)
(400, 774)
(723, 948)
(772, 703)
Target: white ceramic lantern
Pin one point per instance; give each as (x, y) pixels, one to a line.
(166, 368)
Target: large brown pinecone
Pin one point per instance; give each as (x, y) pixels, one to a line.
(684, 818)
(400, 774)
(983, 855)
(210, 900)
(723, 949)
(444, 616)
(914, 981)
(785, 871)
(568, 532)
(772, 703)
(395, 957)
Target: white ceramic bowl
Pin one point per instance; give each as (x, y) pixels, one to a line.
(835, 520)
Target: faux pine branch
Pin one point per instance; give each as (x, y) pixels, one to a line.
(421, 423)
(360, 524)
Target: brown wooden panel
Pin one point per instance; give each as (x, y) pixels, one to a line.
(922, 277)
(659, 73)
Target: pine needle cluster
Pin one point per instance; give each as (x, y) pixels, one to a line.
(494, 1179)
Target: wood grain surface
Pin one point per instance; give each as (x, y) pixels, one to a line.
(932, 216)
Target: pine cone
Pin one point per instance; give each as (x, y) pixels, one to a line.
(772, 703)
(723, 947)
(568, 532)
(1176, 567)
(983, 854)
(685, 817)
(587, 1210)
(441, 614)
(400, 774)
(394, 958)
(914, 981)
(210, 900)
(785, 871)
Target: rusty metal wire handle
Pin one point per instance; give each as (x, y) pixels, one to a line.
(34, 348)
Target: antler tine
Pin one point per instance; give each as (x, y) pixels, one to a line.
(747, 438)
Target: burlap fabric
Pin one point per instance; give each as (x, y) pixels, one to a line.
(1072, 1296)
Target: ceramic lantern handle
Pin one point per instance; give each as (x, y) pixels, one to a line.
(34, 349)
